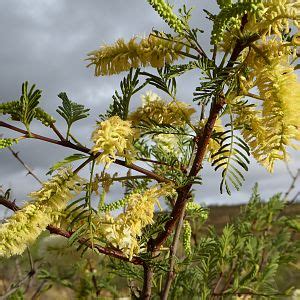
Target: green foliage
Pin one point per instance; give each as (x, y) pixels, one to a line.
(230, 16)
(165, 81)
(212, 83)
(120, 105)
(67, 160)
(244, 259)
(28, 102)
(27, 108)
(71, 111)
(232, 156)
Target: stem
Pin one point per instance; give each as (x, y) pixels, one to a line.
(202, 140)
(30, 172)
(147, 286)
(67, 234)
(88, 198)
(173, 249)
(53, 127)
(68, 144)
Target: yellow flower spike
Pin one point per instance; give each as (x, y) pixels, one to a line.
(113, 137)
(24, 226)
(156, 109)
(123, 231)
(151, 51)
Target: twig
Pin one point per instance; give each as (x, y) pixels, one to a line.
(292, 185)
(173, 249)
(147, 286)
(30, 172)
(83, 149)
(53, 127)
(67, 234)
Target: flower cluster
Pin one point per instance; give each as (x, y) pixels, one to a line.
(122, 232)
(167, 142)
(166, 13)
(151, 51)
(7, 142)
(197, 209)
(187, 233)
(156, 109)
(23, 227)
(271, 128)
(113, 137)
(264, 17)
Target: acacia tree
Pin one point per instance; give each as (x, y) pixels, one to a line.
(247, 81)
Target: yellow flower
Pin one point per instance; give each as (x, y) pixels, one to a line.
(24, 226)
(270, 129)
(296, 39)
(151, 51)
(122, 232)
(270, 18)
(113, 137)
(156, 109)
(167, 142)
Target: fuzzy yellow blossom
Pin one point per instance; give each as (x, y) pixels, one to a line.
(24, 226)
(271, 128)
(267, 18)
(167, 142)
(151, 51)
(156, 109)
(122, 232)
(278, 16)
(113, 137)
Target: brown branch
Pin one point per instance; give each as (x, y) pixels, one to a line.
(67, 234)
(201, 142)
(294, 179)
(68, 144)
(173, 249)
(30, 172)
(147, 286)
(53, 127)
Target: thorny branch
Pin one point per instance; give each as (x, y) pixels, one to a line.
(29, 170)
(67, 234)
(83, 149)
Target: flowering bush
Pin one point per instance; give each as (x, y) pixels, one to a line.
(248, 81)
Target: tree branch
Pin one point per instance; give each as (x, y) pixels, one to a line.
(68, 144)
(147, 286)
(173, 249)
(67, 234)
(16, 155)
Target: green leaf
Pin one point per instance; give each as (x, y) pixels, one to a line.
(120, 105)
(71, 111)
(232, 156)
(28, 103)
(65, 161)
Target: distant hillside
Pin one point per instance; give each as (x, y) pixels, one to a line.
(220, 215)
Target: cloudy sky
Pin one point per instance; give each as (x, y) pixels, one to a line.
(46, 41)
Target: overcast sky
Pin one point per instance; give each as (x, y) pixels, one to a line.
(46, 41)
